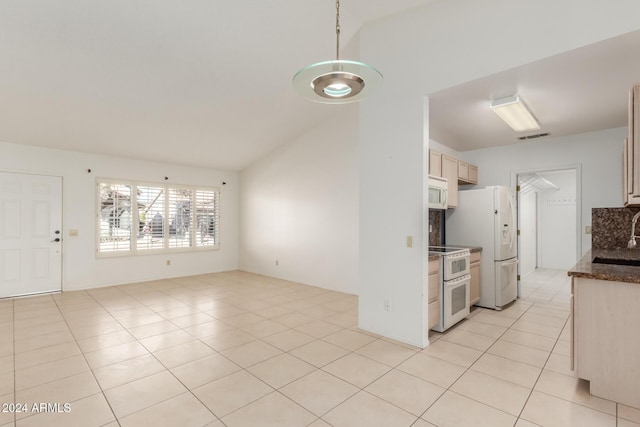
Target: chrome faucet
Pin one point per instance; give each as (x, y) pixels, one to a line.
(632, 241)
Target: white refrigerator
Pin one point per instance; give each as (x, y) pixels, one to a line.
(487, 218)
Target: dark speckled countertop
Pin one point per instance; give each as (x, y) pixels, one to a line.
(585, 268)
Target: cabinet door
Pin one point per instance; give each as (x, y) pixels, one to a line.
(434, 314)
(625, 172)
(463, 171)
(450, 171)
(435, 163)
(434, 287)
(474, 288)
(633, 148)
(473, 174)
(433, 297)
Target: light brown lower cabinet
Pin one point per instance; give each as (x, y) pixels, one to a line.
(605, 349)
(433, 297)
(474, 288)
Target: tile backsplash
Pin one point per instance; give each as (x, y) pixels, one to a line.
(436, 223)
(611, 227)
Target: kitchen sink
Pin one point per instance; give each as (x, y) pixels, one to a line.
(598, 260)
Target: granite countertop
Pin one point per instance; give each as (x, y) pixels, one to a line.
(585, 268)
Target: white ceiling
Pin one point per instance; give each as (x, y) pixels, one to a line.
(208, 82)
(582, 90)
(195, 82)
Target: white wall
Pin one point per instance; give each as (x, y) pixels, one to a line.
(81, 268)
(599, 155)
(299, 206)
(419, 52)
(557, 221)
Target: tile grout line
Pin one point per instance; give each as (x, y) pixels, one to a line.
(317, 368)
(158, 360)
(570, 376)
(377, 339)
(222, 355)
(469, 368)
(85, 358)
(541, 372)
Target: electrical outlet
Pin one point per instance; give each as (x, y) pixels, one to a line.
(409, 241)
(277, 263)
(587, 229)
(387, 305)
(168, 262)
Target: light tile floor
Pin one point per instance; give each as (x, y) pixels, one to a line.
(238, 349)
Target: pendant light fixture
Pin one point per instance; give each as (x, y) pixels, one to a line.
(339, 81)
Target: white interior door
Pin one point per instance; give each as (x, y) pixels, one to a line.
(30, 234)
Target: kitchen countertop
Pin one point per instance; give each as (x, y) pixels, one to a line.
(436, 255)
(585, 268)
(471, 248)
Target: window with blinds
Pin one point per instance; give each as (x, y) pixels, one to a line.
(206, 205)
(114, 217)
(181, 232)
(147, 218)
(151, 214)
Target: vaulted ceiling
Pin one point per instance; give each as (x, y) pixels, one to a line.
(195, 82)
(208, 82)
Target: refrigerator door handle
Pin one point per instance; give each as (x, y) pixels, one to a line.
(511, 221)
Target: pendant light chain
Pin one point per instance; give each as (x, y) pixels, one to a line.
(337, 29)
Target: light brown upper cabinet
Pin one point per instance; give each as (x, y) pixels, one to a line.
(631, 161)
(435, 163)
(467, 174)
(455, 171)
(450, 172)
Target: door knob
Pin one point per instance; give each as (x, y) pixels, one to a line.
(57, 239)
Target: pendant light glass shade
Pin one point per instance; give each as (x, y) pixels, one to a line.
(336, 82)
(339, 81)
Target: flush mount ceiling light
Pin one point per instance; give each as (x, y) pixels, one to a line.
(339, 81)
(515, 113)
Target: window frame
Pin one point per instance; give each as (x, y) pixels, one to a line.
(194, 228)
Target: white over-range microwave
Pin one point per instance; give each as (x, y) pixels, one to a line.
(437, 192)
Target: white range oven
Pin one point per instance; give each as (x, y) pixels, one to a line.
(455, 281)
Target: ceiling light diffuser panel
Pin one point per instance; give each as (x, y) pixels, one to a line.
(515, 113)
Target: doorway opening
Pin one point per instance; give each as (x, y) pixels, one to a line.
(549, 219)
